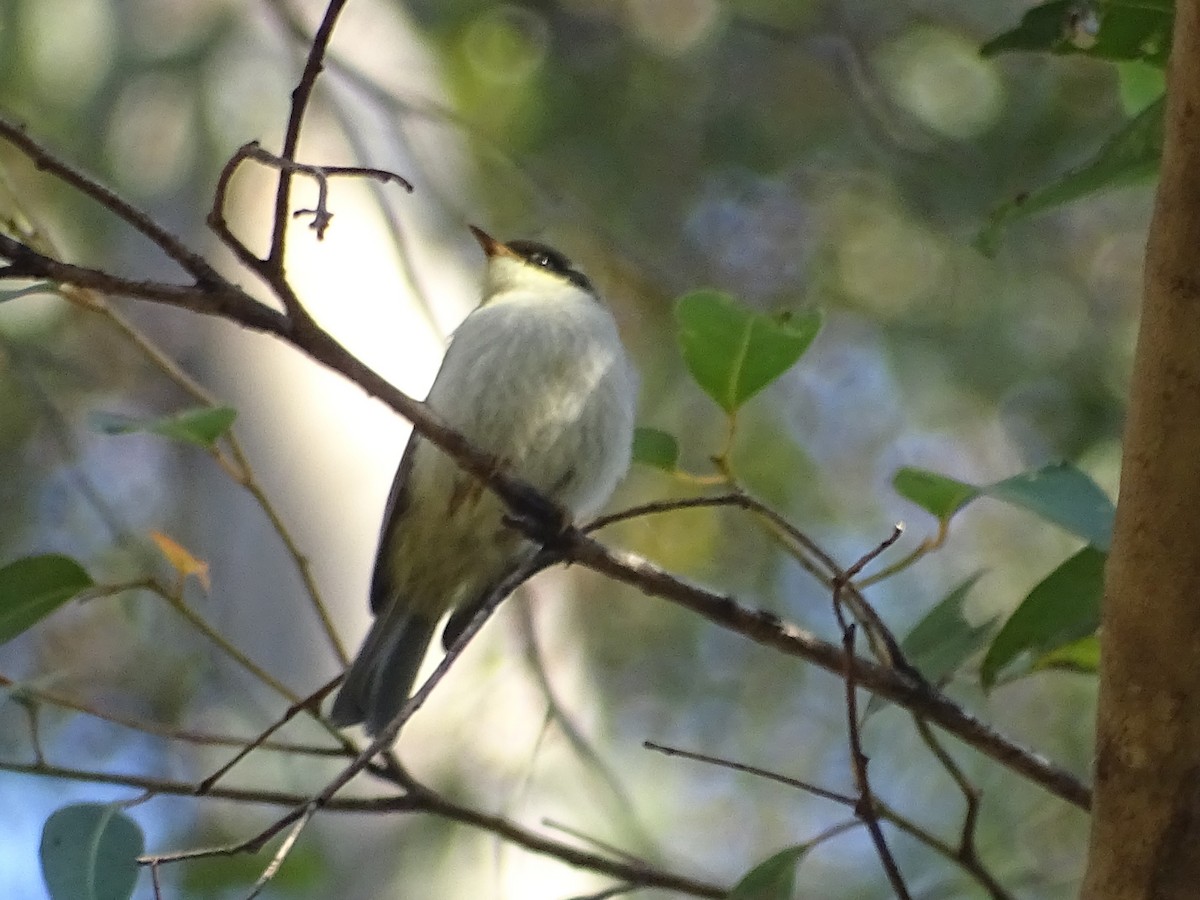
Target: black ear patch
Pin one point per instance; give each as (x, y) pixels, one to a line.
(548, 258)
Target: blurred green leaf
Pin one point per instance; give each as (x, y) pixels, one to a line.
(1061, 494)
(201, 426)
(1130, 155)
(40, 287)
(1107, 29)
(89, 851)
(219, 877)
(652, 447)
(734, 352)
(1058, 493)
(943, 640)
(1063, 608)
(1082, 655)
(1140, 84)
(33, 587)
(772, 879)
(937, 494)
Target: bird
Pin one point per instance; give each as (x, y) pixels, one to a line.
(537, 376)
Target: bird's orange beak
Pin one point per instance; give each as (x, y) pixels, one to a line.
(490, 245)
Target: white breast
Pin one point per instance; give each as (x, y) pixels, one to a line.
(541, 380)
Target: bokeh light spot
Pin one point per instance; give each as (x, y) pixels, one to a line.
(940, 78)
(70, 47)
(151, 136)
(673, 27)
(887, 264)
(507, 45)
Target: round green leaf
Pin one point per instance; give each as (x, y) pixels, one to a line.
(652, 447)
(33, 587)
(1064, 607)
(734, 352)
(89, 851)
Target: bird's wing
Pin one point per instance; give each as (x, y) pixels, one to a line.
(393, 511)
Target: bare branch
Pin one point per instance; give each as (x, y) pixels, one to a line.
(282, 853)
(309, 704)
(893, 685)
(969, 864)
(865, 808)
(192, 263)
(291, 138)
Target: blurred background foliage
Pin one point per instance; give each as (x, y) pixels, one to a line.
(797, 154)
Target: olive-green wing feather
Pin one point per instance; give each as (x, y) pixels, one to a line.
(393, 512)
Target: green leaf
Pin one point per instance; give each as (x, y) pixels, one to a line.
(734, 352)
(35, 289)
(305, 874)
(1107, 29)
(1082, 655)
(943, 640)
(33, 587)
(1063, 608)
(772, 879)
(1061, 494)
(1058, 493)
(89, 851)
(1140, 84)
(937, 494)
(201, 426)
(655, 448)
(1129, 156)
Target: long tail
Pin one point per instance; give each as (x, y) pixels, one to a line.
(382, 675)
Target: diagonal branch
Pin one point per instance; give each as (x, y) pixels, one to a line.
(423, 800)
(193, 263)
(767, 629)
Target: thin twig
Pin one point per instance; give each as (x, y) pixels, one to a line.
(842, 579)
(959, 777)
(187, 736)
(192, 263)
(291, 137)
(282, 853)
(424, 800)
(866, 808)
(806, 786)
(560, 716)
(387, 735)
(321, 216)
(594, 841)
(223, 300)
(945, 850)
(238, 468)
(309, 704)
(884, 681)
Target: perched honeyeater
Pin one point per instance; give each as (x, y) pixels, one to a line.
(536, 376)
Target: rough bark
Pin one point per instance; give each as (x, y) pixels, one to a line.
(1145, 840)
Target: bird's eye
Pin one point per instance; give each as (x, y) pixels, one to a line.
(542, 259)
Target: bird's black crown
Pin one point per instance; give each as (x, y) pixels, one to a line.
(537, 254)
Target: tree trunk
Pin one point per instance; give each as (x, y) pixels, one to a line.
(1145, 840)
